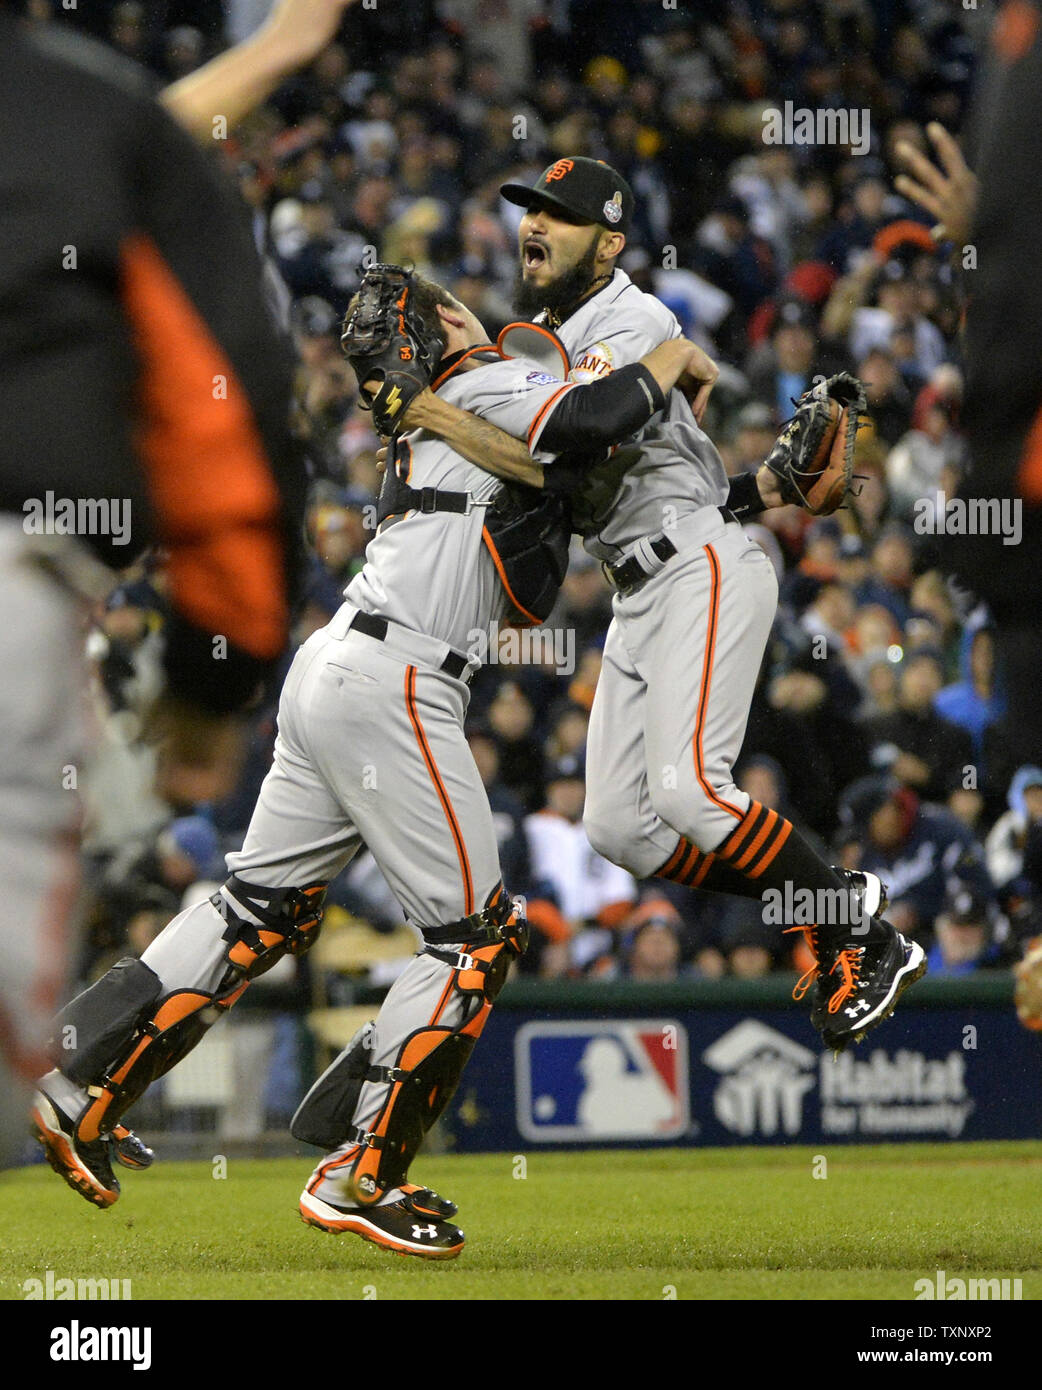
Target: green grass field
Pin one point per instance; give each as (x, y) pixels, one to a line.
(735, 1224)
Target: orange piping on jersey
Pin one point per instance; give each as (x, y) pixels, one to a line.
(490, 544)
(707, 677)
(439, 786)
(483, 347)
(548, 405)
(536, 328)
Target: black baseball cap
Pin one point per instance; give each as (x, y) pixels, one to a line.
(965, 905)
(587, 188)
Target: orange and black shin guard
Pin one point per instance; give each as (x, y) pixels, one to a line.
(427, 1069)
(162, 1041)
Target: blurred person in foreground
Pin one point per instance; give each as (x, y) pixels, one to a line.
(131, 321)
(993, 214)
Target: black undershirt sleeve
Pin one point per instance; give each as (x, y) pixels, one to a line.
(604, 412)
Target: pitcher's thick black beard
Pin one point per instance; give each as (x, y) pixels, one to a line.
(561, 294)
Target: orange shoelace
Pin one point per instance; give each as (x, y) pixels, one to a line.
(849, 961)
(805, 981)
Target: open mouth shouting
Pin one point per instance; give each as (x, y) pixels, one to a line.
(534, 253)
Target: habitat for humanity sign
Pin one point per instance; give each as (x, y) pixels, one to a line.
(766, 1078)
(727, 1077)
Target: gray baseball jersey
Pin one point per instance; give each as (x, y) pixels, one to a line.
(407, 576)
(683, 650)
(671, 467)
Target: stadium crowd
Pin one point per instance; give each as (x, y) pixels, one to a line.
(878, 720)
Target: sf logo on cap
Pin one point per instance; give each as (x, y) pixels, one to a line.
(613, 208)
(562, 167)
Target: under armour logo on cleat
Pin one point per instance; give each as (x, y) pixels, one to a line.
(856, 1008)
(418, 1232)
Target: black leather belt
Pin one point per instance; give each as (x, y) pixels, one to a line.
(368, 623)
(627, 574)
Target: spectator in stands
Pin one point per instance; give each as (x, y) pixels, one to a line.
(974, 703)
(1006, 841)
(890, 577)
(781, 373)
(650, 946)
(920, 462)
(508, 813)
(915, 744)
(511, 719)
(914, 847)
(593, 895)
(889, 400)
(964, 931)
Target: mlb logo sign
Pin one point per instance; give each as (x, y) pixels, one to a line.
(592, 1081)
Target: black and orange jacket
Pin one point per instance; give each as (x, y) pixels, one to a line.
(137, 360)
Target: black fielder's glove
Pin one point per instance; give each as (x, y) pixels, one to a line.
(386, 342)
(813, 458)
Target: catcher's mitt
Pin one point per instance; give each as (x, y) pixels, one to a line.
(386, 340)
(1027, 993)
(813, 458)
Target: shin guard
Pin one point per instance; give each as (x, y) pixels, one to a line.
(130, 1032)
(429, 1062)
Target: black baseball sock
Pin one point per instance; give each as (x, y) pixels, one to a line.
(764, 851)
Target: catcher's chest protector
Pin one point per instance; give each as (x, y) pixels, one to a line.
(526, 532)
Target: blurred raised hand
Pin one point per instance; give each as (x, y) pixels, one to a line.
(948, 192)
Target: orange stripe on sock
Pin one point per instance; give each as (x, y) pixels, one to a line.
(328, 1167)
(734, 842)
(674, 859)
(769, 854)
(750, 853)
(689, 864)
(704, 868)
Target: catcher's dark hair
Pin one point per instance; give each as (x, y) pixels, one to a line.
(426, 296)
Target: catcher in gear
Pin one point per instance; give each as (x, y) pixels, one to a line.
(813, 458)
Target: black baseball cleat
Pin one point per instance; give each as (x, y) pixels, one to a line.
(870, 889)
(427, 1203)
(399, 1227)
(865, 982)
(870, 900)
(127, 1149)
(87, 1168)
